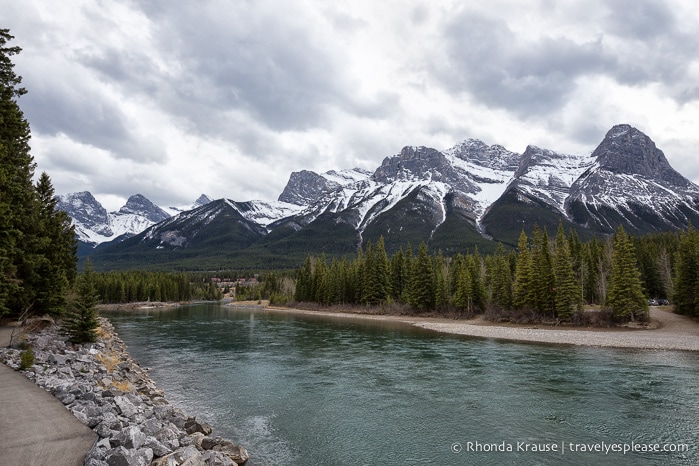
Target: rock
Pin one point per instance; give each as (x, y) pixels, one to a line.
(134, 426)
(215, 458)
(88, 412)
(121, 456)
(158, 448)
(192, 426)
(188, 456)
(126, 407)
(130, 437)
(235, 452)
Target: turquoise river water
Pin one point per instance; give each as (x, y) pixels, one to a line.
(299, 390)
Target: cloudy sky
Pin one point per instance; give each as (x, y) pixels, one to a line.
(174, 98)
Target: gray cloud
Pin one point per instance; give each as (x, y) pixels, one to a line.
(192, 96)
(530, 77)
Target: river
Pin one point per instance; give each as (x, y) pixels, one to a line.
(300, 390)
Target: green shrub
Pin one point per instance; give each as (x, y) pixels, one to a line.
(26, 359)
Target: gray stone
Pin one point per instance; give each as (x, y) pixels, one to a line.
(90, 411)
(192, 426)
(158, 448)
(121, 456)
(216, 458)
(188, 456)
(130, 437)
(125, 406)
(235, 452)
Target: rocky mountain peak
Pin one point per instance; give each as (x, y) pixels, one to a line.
(626, 150)
(140, 205)
(85, 210)
(479, 153)
(412, 163)
(202, 200)
(306, 187)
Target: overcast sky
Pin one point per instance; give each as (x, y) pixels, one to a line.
(174, 98)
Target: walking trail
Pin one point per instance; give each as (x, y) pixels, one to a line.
(35, 428)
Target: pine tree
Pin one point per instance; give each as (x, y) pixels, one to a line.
(567, 290)
(476, 272)
(81, 319)
(542, 282)
(422, 282)
(56, 248)
(523, 297)
(501, 279)
(441, 274)
(625, 298)
(462, 285)
(686, 296)
(18, 205)
(304, 282)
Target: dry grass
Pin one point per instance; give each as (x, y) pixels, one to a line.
(123, 385)
(109, 361)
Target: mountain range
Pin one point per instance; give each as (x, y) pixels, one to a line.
(456, 199)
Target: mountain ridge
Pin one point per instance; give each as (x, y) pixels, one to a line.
(471, 194)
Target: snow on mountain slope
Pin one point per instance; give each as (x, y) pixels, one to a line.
(547, 175)
(266, 213)
(632, 180)
(94, 225)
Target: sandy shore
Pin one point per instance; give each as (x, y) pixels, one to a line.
(672, 332)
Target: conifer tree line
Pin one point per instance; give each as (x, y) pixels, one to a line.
(551, 278)
(133, 286)
(37, 242)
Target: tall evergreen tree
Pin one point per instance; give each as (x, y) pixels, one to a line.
(501, 279)
(476, 271)
(56, 248)
(17, 198)
(686, 283)
(423, 281)
(625, 298)
(522, 294)
(37, 253)
(543, 281)
(567, 290)
(81, 321)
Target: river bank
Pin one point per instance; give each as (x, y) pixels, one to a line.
(109, 392)
(667, 331)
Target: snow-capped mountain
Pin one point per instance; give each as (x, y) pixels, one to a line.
(201, 200)
(94, 225)
(454, 199)
(631, 182)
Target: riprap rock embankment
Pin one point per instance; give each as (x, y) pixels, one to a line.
(108, 391)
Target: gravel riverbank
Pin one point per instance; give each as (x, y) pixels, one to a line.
(669, 331)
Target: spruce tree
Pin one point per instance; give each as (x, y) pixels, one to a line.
(423, 281)
(567, 290)
(304, 282)
(522, 295)
(56, 259)
(542, 282)
(686, 282)
(81, 321)
(18, 204)
(501, 279)
(476, 272)
(37, 244)
(625, 298)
